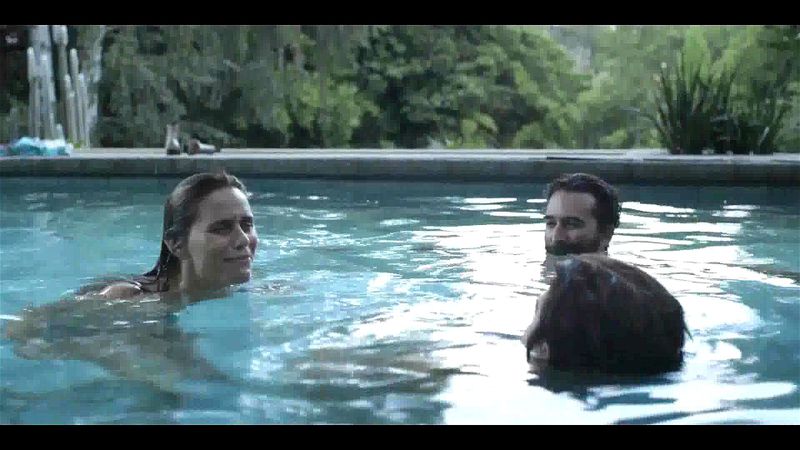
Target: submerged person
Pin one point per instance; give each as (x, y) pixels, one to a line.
(208, 244)
(601, 315)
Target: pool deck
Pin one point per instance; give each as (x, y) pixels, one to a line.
(651, 166)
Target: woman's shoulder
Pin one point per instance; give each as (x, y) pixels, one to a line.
(121, 290)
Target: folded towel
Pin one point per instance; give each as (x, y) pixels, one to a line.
(28, 146)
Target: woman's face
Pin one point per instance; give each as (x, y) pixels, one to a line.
(221, 243)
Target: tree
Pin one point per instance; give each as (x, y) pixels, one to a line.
(233, 85)
(467, 86)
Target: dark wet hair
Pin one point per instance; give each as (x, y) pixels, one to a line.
(180, 212)
(605, 316)
(606, 198)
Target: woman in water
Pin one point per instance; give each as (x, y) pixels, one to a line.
(207, 245)
(208, 241)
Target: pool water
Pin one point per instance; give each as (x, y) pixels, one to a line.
(392, 302)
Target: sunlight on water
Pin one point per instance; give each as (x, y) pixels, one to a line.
(391, 303)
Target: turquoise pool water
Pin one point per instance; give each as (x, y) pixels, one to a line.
(392, 303)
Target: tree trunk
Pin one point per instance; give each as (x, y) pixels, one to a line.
(90, 44)
(42, 50)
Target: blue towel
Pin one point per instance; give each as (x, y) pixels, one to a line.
(28, 146)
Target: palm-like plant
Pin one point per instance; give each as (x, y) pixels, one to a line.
(688, 106)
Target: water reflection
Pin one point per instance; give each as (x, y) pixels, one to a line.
(382, 303)
(501, 262)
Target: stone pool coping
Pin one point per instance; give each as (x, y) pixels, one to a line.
(651, 166)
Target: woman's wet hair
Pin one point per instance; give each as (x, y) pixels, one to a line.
(605, 316)
(180, 212)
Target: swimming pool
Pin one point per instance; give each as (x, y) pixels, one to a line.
(396, 303)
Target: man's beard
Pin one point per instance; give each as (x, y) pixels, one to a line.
(561, 248)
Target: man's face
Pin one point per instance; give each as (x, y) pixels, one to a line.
(571, 228)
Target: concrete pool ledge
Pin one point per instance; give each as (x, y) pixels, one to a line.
(650, 166)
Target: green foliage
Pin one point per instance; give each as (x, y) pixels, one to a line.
(624, 63)
(768, 95)
(468, 86)
(136, 97)
(698, 110)
(441, 86)
(689, 103)
(230, 85)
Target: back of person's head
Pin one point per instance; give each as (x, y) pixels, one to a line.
(606, 209)
(603, 315)
(180, 212)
